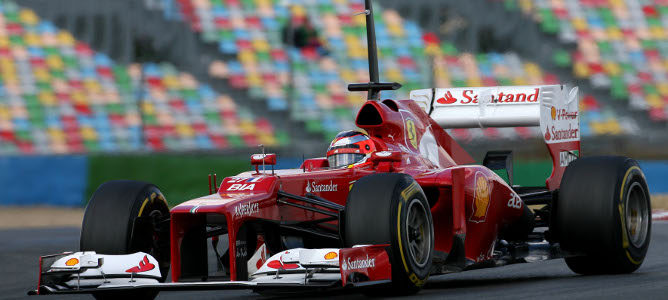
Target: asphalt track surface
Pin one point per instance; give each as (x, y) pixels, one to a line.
(19, 250)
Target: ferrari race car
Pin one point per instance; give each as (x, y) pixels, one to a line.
(408, 203)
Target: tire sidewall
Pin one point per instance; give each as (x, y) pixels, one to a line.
(404, 265)
(151, 199)
(627, 252)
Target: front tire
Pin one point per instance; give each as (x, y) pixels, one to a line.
(124, 217)
(603, 214)
(391, 208)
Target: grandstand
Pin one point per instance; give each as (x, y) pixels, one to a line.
(620, 45)
(252, 30)
(61, 95)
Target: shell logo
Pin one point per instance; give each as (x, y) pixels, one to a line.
(481, 198)
(71, 262)
(331, 255)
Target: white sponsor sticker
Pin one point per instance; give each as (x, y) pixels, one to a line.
(241, 187)
(500, 95)
(566, 157)
(560, 120)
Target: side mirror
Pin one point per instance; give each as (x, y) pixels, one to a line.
(383, 160)
(262, 160)
(388, 156)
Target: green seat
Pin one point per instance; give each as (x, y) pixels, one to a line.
(314, 126)
(236, 141)
(282, 138)
(561, 58)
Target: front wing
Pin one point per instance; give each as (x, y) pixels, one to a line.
(290, 270)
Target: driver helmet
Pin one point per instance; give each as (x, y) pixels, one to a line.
(349, 147)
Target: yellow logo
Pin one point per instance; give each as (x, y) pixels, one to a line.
(481, 197)
(331, 255)
(71, 262)
(411, 134)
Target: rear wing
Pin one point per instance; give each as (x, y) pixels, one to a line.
(554, 108)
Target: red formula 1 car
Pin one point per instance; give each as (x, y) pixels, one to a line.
(389, 206)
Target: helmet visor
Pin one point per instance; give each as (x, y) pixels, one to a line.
(344, 159)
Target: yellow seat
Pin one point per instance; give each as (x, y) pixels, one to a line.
(65, 38)
(261, 45)
(613, 127)
(395, 30)
(31, 39)
(147, 108)
(4, 113)
(612, 68)
(474, 82)
(267, 139)
(662, 87)
(520, 81)
(579, 24)
(394, 75)
(254, 79)
(298, 10)
(88, 133)
(171, 82)
(246, 56)
(432, 50)
(78, 96)
(184, 130)
(28, 17)
(654, 101)
(597, 128)
(56, 135)
(92, 85)
(657, 33)
(532, 70)
(4, 42)
(580, 70)
(55, 62)
(614, 33)
(46, 98)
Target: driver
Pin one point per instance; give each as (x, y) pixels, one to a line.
(349, 147)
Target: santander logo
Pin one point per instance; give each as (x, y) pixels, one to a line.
(144, 265)
(470, 96)
(447, 99)
(312, 187)
(360, 263)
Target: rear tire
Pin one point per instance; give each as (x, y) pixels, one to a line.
(603, 215)
(391, 208)
(124, 217)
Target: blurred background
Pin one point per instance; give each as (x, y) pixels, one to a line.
(169, 91)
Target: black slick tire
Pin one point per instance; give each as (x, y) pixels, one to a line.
(124, 217)
(603, 215)
(382, 209)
